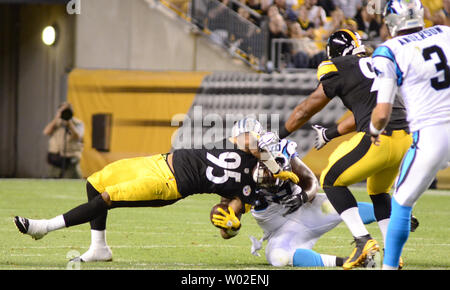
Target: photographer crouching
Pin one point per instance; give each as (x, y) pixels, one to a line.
(65, 144)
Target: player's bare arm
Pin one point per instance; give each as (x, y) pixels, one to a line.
(347, 125)
(379, 120)
(306, 109)
(308, 181)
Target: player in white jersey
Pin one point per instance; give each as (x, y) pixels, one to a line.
(416, 63)
(291, 238)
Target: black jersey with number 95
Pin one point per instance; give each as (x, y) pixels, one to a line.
(219, 168)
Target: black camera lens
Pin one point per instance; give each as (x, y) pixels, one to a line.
(67, 114)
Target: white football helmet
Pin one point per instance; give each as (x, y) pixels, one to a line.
(247, 125)
(403, 14)
(282, 151)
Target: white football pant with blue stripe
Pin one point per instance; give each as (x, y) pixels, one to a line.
(292, 237)
(429, 153)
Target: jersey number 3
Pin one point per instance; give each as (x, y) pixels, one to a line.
(226, 160)
(441, 66)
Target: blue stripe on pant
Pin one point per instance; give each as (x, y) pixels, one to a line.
(408, 160)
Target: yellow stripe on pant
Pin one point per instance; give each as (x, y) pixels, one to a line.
(137, 179)
(358, 159)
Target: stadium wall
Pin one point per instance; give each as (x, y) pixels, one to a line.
(141, 105)
(32, 83)
(116, 34)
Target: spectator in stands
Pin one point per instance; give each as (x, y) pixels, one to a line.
(251, 10)
(305, 53)
(285, 10)
(349, 7)
(255, 5)
(244, 13)
(316, 14)
(327, 5)
(265, 5)
(272, 11)
(303, 20)
(277, 26)
(277, 30)
(368, 26)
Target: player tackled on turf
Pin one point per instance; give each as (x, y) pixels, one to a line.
(292, 216)
(159, 180)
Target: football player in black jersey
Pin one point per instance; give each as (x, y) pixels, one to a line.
(348, 74)
(287, 158)
(224, 168)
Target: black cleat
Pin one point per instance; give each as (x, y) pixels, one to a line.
(414, 223)
(22, 224)
(366, 247)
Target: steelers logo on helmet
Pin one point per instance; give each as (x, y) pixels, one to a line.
(344, 42)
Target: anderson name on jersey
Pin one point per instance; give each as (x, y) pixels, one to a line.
(419, 63)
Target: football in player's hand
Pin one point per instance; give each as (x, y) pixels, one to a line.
(215, 210)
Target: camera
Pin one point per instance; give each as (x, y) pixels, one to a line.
(67, 114)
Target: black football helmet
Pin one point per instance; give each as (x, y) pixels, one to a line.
(344, 42)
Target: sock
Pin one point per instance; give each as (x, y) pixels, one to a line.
(98, 238)
(85, 212)
(366, 212)
(99, 223)
(340, 261)
(381, 205)
(353, 221)
(56, 223)
(340, 197)
(328, 260)
(307, 258)
(383, 225)
(397, 233)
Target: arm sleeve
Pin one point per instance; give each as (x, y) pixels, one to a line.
(389, 76)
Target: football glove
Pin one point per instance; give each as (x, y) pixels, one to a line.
(287, 175)
(293, 201)
(321, 140)
(227, 221)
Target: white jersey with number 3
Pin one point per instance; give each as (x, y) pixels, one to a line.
(420, 63)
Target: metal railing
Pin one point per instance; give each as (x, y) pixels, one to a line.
(246, 40)
(294, 54)
(227, 28)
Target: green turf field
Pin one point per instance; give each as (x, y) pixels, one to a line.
(180, 236)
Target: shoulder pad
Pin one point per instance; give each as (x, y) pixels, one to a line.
(325, 68)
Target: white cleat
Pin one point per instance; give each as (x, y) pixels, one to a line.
(37, 229)
(95, 254)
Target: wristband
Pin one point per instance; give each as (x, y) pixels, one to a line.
(283, 132)
(331, 133)
(374, 131)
